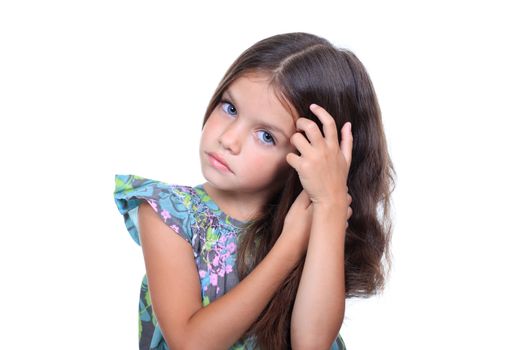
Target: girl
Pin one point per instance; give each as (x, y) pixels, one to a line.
(264, 253)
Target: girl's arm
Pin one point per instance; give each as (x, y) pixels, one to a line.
(320, 302)
(323, 168)
(175, 287)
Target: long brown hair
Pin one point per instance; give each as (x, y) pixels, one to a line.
(304, 69)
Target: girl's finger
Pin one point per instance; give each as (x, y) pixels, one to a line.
(300, 142)
(347, 143)
(311, 130)
(294, 160)
(329, 127)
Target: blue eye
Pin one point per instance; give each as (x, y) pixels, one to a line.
(268, 139)
(228, 107)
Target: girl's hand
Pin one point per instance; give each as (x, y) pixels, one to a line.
(323, 164)
(298, 222)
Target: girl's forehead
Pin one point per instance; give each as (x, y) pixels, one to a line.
(271, 87)
(255, 96)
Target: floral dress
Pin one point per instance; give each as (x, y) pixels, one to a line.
(194, 216)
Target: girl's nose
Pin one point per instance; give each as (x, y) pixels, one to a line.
(231, 138)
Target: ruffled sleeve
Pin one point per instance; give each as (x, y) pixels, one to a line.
(171, 207)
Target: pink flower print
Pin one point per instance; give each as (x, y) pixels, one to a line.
(216, 261)
(229, 268)
(175, 228)
(231, 247)
(221, 272)
(165, 214)
(153, 204)
(213, 279)
(202, 273)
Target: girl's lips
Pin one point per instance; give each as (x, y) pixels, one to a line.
(218, 163)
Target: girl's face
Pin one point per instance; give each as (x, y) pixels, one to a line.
(249, 130)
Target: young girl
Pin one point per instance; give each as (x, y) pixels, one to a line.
(264, 253)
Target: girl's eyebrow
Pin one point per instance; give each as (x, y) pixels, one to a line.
(274, 128)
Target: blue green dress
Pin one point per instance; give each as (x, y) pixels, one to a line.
(194, 216)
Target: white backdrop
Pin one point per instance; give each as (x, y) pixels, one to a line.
(93, 89)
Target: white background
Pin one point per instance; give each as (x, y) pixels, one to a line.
(97, 88)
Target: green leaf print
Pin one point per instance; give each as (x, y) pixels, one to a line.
(148, 298)
(206, 301)
(211, 238)
(122, 185)
(237, 347)
(206, 198)
(187, 200)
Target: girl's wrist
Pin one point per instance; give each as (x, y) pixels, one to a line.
(337, 204)
(336, 211)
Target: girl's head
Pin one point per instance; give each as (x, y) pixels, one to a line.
(274, 82)
(286, 73)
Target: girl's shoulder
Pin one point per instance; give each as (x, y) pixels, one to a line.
(175, 204)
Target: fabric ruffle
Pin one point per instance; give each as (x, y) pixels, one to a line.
(171, 206)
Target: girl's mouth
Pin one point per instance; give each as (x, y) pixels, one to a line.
(218, 164)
